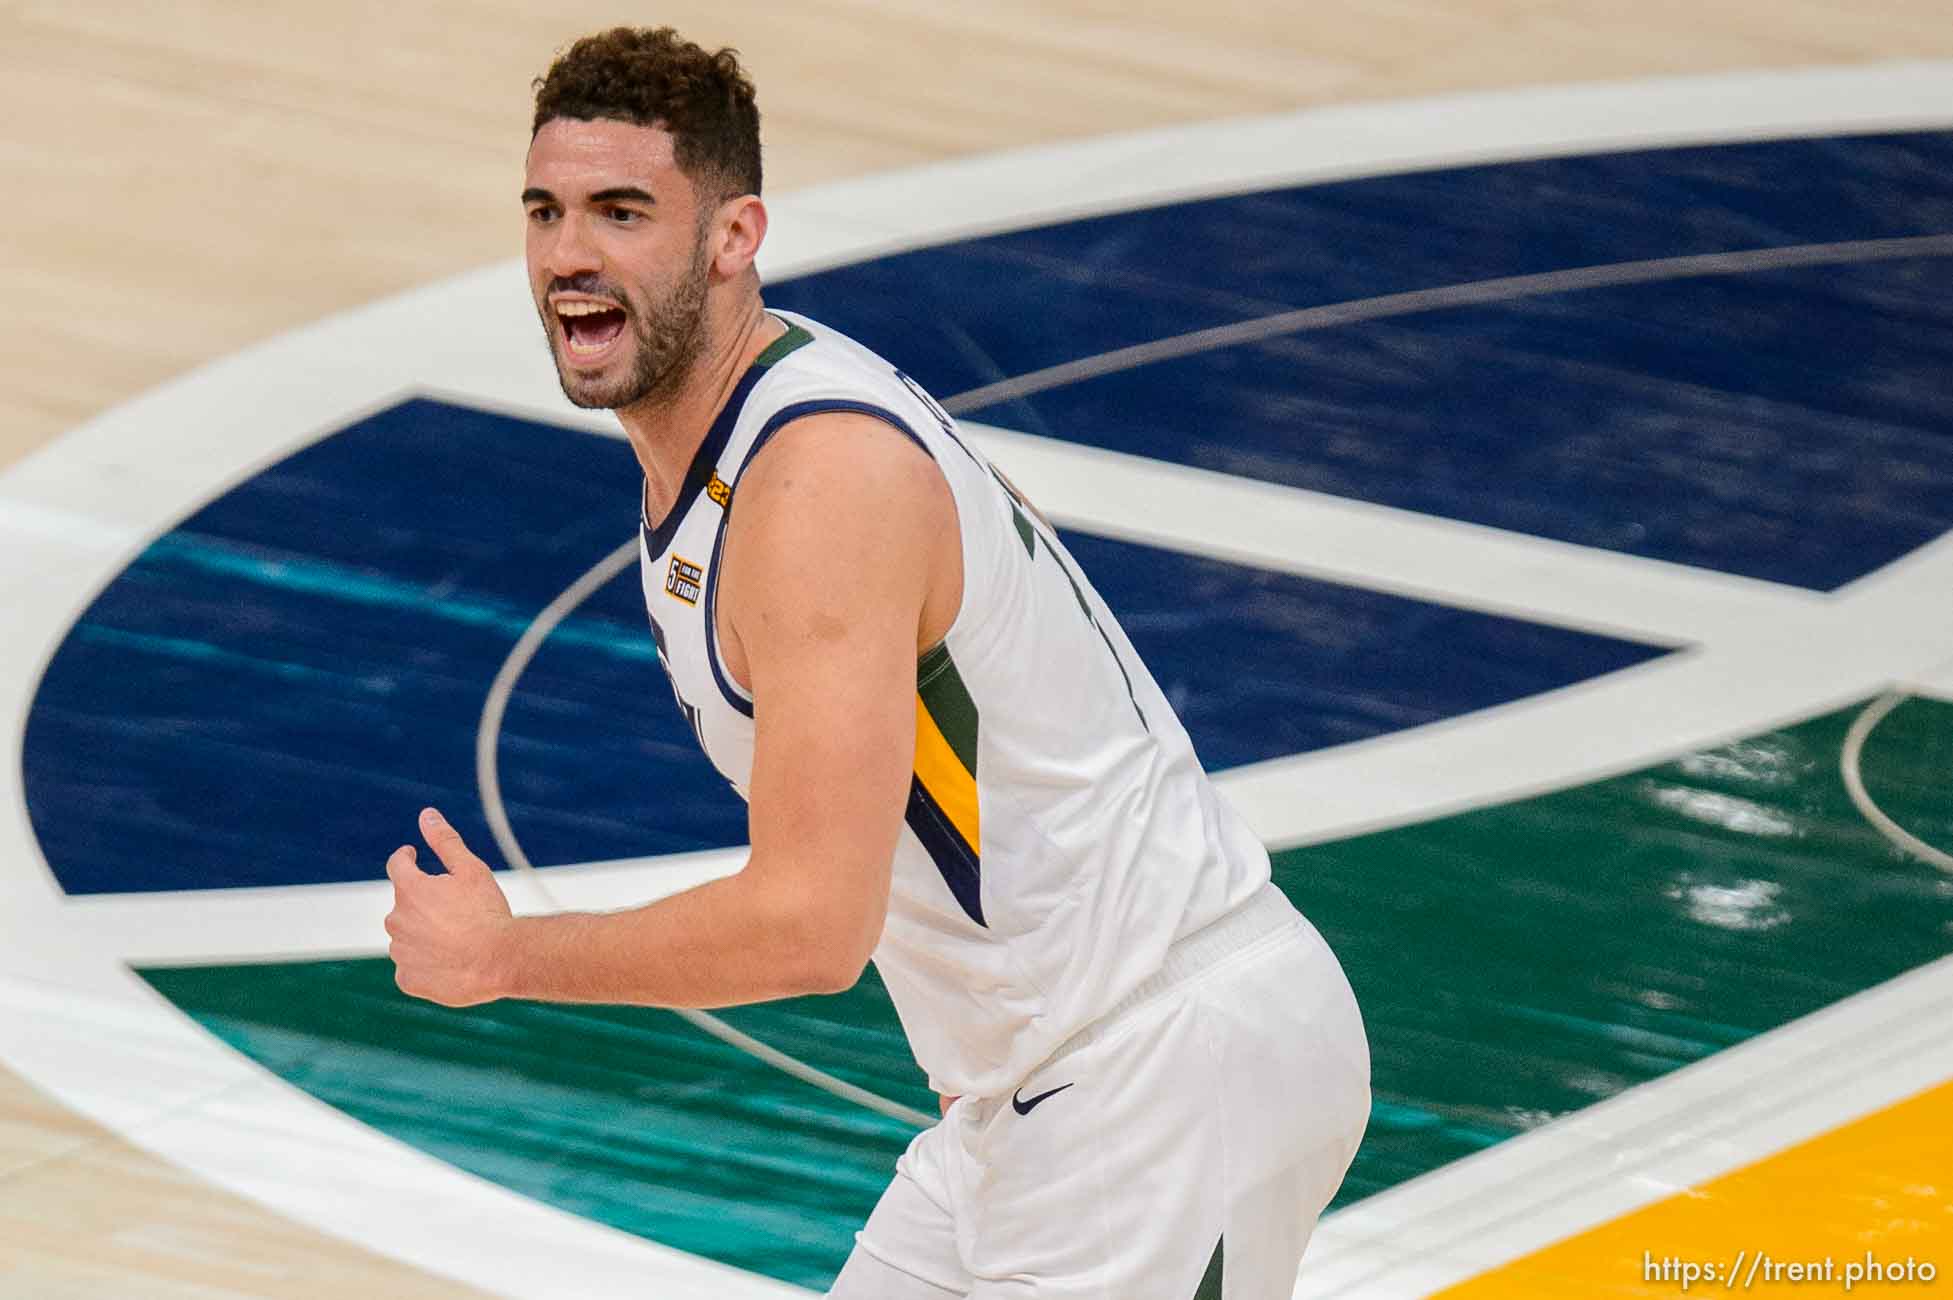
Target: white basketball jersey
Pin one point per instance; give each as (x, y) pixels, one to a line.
(1060, 832)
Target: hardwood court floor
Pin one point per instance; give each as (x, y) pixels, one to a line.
(190, 179)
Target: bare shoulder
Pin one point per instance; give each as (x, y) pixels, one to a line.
(844, 458)
(845, 514)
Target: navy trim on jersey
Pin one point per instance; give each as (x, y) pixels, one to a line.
(720, 678)
(784, 416)
(954, 861)
(821, 406)
(704, 462)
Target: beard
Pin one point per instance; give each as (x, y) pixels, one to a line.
(669, 332)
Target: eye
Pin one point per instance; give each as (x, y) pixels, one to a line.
(625, 216)
(542, 214)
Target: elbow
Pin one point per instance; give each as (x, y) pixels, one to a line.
(823, 963)
(837, 976)
(824, 949)
(840, 947)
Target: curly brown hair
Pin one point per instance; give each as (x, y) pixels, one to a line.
(655, 77)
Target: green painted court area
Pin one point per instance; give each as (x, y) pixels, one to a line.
(1514, 964)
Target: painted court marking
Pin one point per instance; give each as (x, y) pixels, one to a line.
(79, 1025)
(1476, 294)
(1849, 767)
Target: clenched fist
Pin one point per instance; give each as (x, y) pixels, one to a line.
(449, 932)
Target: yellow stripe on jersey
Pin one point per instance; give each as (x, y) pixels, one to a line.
(949, 783)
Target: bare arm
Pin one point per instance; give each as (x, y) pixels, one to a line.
(839, 530)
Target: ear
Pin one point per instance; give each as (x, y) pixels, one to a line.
(740, 229)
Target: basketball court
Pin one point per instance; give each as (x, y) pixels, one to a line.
(1519, 437)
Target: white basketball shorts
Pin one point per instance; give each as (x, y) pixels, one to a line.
(1183, 1146)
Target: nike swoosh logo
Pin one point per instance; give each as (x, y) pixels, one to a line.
(1022, 1107)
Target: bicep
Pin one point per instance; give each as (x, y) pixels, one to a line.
(828, 572)
(833, 751)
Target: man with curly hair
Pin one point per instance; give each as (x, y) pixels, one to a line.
(1154, 1073)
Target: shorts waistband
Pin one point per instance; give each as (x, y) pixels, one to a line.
(1267, 912)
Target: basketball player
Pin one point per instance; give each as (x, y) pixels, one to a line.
(1154, 1073)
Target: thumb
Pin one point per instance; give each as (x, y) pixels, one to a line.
(403, 869)
(445, 840)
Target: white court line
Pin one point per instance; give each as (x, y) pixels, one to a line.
(1850, 768)
(72, 514)
(1936, 682)
(1849, 646)
(1313, 534)
(314, 922)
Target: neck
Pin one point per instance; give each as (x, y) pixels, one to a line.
(666, 432)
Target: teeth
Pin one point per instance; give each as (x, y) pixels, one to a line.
(582, 308)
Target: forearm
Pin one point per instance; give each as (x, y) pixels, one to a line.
(727, 942)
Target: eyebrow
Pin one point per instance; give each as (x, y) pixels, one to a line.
(621, 192)
(615, 194)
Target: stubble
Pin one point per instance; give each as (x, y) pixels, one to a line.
(669, 333)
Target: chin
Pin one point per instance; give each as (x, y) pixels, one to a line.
(590, 393)
(593, 389)
(593, 399)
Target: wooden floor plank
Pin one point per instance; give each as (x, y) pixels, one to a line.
(85, 1214)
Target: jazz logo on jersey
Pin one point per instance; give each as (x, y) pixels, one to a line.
(682, 579)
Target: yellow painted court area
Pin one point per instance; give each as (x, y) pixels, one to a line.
(1877, 1185)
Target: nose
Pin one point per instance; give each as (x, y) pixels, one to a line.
(568, 250)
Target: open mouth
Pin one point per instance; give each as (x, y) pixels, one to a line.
(589, 328)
